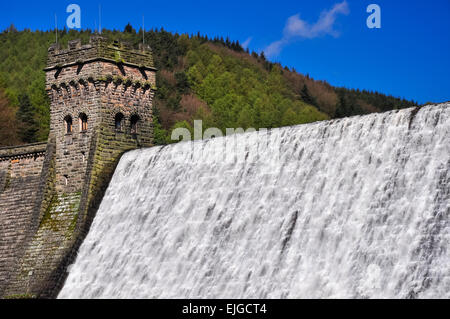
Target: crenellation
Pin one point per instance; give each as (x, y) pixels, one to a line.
(99, 49)
(22, 151)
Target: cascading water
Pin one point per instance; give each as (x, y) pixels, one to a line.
(351, 208)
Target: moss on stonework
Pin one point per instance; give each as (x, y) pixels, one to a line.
(117, 57)
(72, 226)
(74, 207)
(47, 217)
(69, 203)
(7, 181)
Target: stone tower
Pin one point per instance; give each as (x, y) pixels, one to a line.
(101, 97)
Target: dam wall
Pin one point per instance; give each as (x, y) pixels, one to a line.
(20, 180)
(351, 208)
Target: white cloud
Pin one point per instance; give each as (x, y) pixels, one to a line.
(296, 28)
(246, 43)
(274, 48)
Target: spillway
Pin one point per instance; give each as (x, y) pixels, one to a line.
(351, 208)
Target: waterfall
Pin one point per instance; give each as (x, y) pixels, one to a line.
(351, 208)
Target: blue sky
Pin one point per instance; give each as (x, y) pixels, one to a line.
(408, 57)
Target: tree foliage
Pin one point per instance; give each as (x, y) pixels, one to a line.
(8, 127)
(212, 79)
(26, 119)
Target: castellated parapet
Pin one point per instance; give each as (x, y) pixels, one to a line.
(101, 97)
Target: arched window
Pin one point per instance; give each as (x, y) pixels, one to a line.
(83, 122)
(118, 122)
(68, 124)
(134, 120)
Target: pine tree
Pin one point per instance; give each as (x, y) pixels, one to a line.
(307, 97)
(182, 82)
(28, 126)
(8, 129)
(341, 106)
(12, 29)
(159, 134)
(262, 56)
(129, 28)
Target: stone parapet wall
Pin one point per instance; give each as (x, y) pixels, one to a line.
(22, 151)
(20, 181)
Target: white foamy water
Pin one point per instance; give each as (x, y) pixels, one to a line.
(351, 208)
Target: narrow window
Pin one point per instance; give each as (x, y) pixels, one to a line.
(118, 120)
(134, 124)
(83, 122)
(68, 124)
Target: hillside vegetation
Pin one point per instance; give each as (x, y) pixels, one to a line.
(215, 80)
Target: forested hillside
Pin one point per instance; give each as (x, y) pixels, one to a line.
(215, 80)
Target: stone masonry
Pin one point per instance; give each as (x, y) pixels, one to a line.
(101, 98)
(20, 170)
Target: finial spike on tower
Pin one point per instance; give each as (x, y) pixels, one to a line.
(143, 31)
(56, 28)
(99, 19)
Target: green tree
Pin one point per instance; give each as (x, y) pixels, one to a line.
(182, 82)
(306, 96)
(40, 103)
(159, 134)
(289, 118)
(27, 122)
(246, 117)
(129, 29)
(341, 107)
(195, 76)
